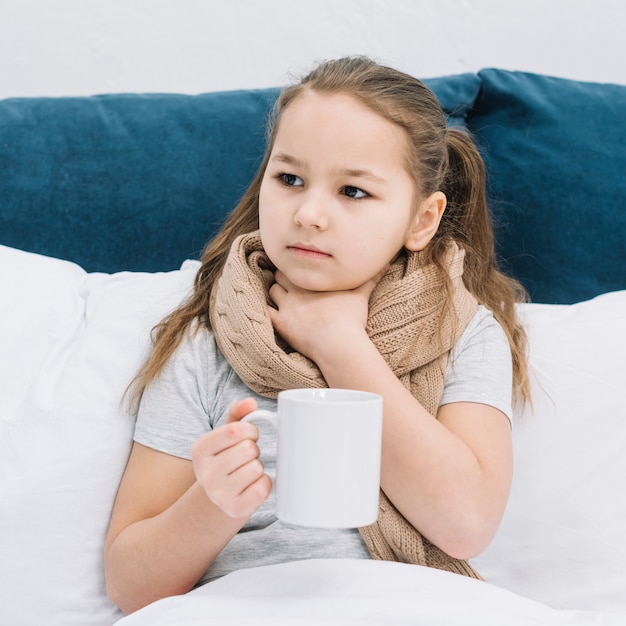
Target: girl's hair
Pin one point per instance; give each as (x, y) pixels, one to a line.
(439, 158)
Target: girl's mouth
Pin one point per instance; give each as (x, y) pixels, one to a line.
(307, 251)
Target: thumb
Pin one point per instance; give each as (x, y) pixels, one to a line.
(240, 409)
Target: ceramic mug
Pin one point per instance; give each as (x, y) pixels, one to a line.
(328, 456)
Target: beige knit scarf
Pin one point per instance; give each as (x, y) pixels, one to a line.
(404, 323)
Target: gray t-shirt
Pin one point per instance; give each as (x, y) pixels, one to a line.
(197, 386)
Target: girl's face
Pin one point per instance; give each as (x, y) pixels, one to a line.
(336, 204)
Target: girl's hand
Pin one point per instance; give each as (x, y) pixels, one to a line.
(226, 463)
(314, 322)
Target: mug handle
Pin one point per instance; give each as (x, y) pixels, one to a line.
(263, 415)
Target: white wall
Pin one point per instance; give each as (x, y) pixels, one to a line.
(76, 47)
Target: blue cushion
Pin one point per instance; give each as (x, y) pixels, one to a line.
(126, 182)
(556, 155)
(138, 182)
(456, 94)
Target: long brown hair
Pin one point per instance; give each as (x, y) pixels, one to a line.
(440, 158)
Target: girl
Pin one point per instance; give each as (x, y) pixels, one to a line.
(361, 256)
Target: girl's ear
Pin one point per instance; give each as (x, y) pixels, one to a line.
(426, 222)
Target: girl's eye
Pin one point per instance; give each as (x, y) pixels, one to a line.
(291, 180)
(354, 192)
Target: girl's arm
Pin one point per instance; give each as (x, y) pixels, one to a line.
(450, 476)
(172, 517)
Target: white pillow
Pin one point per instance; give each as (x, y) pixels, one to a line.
(69, 344)
(562, 540)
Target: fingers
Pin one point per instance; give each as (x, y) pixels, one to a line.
(250, 499)
(281, 279)
(228, 474)
(226, 461)
(279, 288)
(232, 478)
(240, 409)
(227, 465)
(275, 293)
(230, 434)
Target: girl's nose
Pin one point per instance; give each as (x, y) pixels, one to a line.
(311, 214)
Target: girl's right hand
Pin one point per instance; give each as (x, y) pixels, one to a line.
(226, 463)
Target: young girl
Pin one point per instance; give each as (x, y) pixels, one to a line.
(362, 257)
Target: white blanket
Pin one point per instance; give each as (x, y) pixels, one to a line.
(69, 343)
(337, 592)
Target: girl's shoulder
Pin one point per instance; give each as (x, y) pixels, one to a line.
(480, 367)
(484, 329)
(179, 404)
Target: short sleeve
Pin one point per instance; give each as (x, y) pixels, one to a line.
(480, 368)
(175, 408)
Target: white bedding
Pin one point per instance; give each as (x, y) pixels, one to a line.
(328, 591)
(69, 343)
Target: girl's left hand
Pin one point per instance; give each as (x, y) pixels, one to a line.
(314, 322)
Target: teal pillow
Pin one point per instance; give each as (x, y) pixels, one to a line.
(456, 94)
(138, 182)
(556, 156)
(126, 182)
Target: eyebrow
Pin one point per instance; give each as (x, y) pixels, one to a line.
(288, 159)
(349, 172)
(361, 173)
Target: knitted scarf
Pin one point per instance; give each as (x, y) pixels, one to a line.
(405, 324)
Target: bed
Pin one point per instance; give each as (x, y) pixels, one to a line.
(105, 204)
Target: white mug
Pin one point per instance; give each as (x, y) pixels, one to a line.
(328, 456)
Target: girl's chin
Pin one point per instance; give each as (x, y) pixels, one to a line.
(322, 286)
(317, 281)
